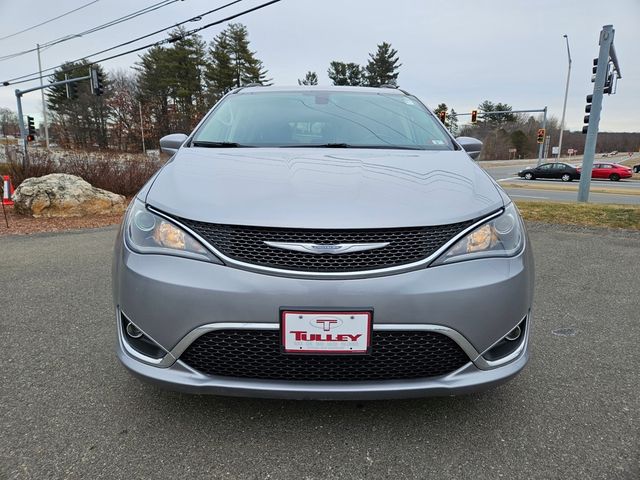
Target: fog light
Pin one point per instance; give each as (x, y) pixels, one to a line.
(133, 331)
(514, 334)
(509, 343)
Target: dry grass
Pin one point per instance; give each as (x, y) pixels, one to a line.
(586, 215)
(571, 187)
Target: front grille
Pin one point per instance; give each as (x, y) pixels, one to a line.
(246, 244)
(256, 354)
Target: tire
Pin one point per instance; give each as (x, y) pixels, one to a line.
(566, 177)
(614, 177)
(529, 176)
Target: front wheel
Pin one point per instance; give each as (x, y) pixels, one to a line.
(614, 177)
(566, 177)
(528, 176)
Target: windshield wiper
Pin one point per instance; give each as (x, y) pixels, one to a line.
(207, 144)
(348, 145)
(319, 145)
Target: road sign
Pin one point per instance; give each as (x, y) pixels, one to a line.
(555, 150)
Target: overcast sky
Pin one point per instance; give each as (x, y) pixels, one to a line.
(460, 52)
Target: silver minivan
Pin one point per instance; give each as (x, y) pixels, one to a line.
(322, 243)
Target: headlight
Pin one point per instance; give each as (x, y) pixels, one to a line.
(502, 236)
(147, 232)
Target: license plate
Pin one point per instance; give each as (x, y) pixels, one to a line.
(326, 332)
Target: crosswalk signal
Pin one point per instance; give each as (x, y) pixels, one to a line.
(474, 116)
(541, 133)
(442, 115)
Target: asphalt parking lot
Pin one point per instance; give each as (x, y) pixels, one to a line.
(69, 410)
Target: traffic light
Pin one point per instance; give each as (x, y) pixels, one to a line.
(608, 83)
(97, 85)
(72, 90)
(541, 133)
(31, 128)
(442, 115)
(587, 110)
(474, 116)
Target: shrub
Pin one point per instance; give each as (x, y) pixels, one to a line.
(123, 174)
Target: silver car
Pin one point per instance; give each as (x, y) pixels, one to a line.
(322, 243)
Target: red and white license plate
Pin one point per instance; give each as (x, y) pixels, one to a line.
(326, 332)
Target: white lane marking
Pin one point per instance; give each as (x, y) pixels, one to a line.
(527, 196)
(509, 178)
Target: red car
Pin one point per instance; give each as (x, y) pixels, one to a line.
(612, 171)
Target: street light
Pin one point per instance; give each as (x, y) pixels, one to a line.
(566, 93)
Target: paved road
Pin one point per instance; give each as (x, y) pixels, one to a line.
(508, 174)
(69, 410)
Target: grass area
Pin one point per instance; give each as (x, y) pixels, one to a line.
(586, 215)
(596, 187)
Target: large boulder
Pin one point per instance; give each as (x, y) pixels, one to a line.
(62, 195)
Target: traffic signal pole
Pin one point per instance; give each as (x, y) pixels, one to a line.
(23, 131)
(544, 127)
(606, 55)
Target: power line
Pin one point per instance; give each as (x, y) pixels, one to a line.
(111, 23)
(24, 78)
(49, 21)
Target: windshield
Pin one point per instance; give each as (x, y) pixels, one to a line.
(322, 118)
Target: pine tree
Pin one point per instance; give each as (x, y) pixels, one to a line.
(171, 84)
(80, 121)
(311, 78)
(452, 122)
(232, 63)
(383, 66)
(342, 73)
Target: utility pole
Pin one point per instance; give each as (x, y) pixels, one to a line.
(566, 93)
(144, 148)
(544, 127)
(44, 105)
(605, 66)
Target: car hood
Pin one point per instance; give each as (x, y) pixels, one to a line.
(324, 188)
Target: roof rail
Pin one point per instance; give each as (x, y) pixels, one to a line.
(241, 87)
(388, 85)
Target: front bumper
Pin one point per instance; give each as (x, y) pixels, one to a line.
(173, 300)
(468, 379)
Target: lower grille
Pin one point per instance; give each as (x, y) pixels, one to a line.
(256, 354)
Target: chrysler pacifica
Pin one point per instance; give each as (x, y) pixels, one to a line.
(326, 243)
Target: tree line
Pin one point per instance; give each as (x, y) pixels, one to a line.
(506, 131)
(167, 90)
(171, 87)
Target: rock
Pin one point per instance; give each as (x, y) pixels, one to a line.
(62, 195)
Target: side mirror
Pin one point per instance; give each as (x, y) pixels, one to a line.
(471, 145)
(171, 143)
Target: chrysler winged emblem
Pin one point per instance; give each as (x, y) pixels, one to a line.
(333, 249)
